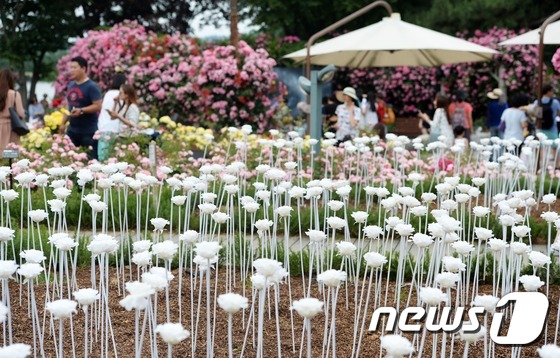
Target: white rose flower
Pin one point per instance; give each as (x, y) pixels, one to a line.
(462, 247)
(549, 351)
(316, 235)
(165, 250)
(393, 221)
(9, 195)
(396, 345)
(251, 207)
(332, 278)
(432, 296)
(481, 211)
(346, 248)
(103, 244)
(142, 258)
(37, 215)
(308, 307)
(33, 256)
(86, 296)
(232, 302)
(549, 199)
(538, 259)
(482, 233)
(375, 259)
(360, 216)
(220, 218)
(520, 248)
(419, 211)
(30, 270)
(531, 282)
(404, 230)
(97, 206)
(489, 302)
(473, 337)
(189, 236)
(497, 245)
(16, 350)
(179, 200)
(284, 211)
(447, 279)
(550, 216)
(159, 223)
(56, 205)
(60, 309)
(372, 231)
(141, 245)
(422, 240)
(157, 282)
(453, 264)
(263, 225)
(207, 249)
(91, 197)
(267, 267)
(65, 243)
(6, 234)
(335, 205)
(336, 223)
(172, 333)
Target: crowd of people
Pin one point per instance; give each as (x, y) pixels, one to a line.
(346, 116)
(95, 120)
(450, 120)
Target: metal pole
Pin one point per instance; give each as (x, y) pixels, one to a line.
(546, 22)
(339, 23)
(315, 107)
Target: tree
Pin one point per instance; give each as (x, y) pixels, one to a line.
(165, 16)
(304, 18)
(30, 29)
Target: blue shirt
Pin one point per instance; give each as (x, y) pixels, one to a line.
(80, 96)
(494, 113)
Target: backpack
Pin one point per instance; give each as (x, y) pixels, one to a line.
(547, 120)
(459, 116)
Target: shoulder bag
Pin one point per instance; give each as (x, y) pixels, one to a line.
(18, 125)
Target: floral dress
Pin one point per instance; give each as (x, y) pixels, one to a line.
(344, 127)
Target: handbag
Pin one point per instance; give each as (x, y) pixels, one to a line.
(18, 125)
(502, 126)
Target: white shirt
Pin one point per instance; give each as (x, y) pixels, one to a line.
(441, 124)
(513, 118)
(105, 124)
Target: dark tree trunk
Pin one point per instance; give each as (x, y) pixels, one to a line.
(234, 37)
(22, 84)
(36, 76)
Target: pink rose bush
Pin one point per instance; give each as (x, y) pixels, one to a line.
(213, 86)
(556, 60)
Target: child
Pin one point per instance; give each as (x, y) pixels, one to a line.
(460, 139)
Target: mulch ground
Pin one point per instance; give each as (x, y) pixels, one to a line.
(123, 324)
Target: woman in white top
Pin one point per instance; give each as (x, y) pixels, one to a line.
(126, 111)
(514, 119)
(369, 112)
(348, 114)
(439, 125)
(107, 128)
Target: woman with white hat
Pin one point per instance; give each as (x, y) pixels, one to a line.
(496, 107)
(348, 114)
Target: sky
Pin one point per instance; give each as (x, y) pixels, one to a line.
(201, 31)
